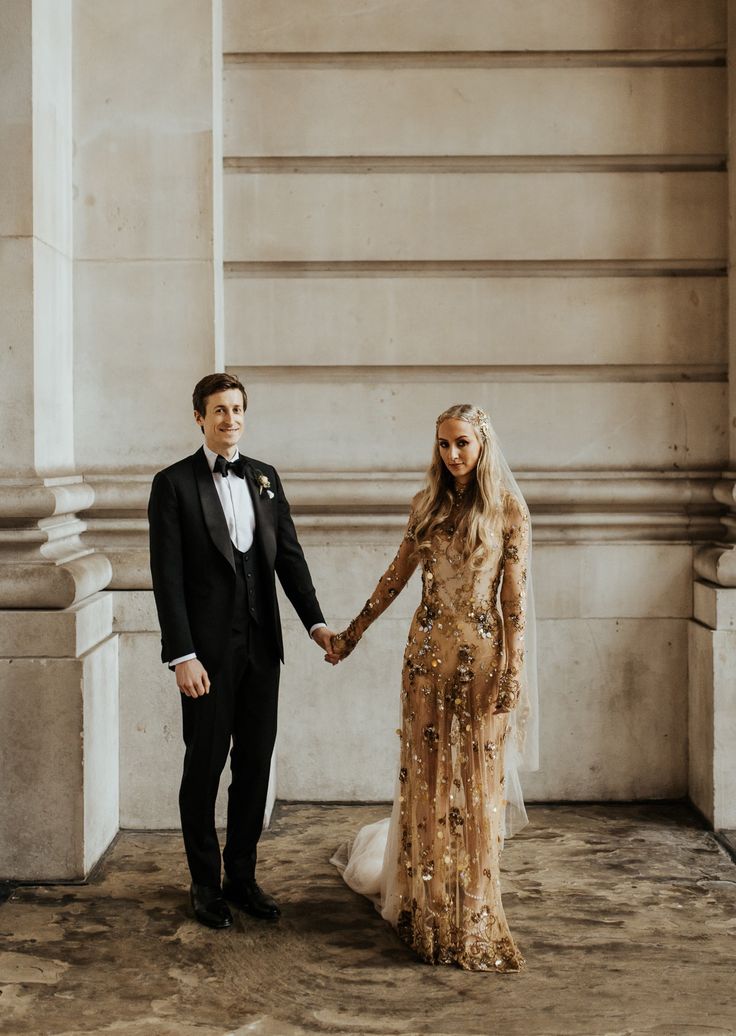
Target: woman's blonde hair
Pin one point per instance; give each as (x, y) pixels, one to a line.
(481, 514)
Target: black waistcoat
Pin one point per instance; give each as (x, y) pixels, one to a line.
(247, 606)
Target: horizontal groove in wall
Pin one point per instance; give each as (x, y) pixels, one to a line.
(623, 373)
(358, 164)
(483, 268)
(483, 59)
(122, 499)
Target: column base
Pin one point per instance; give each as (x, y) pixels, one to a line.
(59, 766)
(712, 714)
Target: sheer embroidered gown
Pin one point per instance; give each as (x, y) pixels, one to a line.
(433, 869)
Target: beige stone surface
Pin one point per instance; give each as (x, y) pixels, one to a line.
(52, 123)
(625, 683)
(453, 216)
(146, 328)
(373, 320)
(41, 768)
(134, 317)
(52, 583)
(59, 770)
(491, 25)
(16, 336)
(50, 361)
(724, 707)
(100, 717)
(387, 422)
(701, 731)
(601, 580)
(16, 119)
(474, 111)
(714, 606)
(134, 611)
(731, 115)
(35, 233)
(143, 127)
(137, 200)
(69, 632)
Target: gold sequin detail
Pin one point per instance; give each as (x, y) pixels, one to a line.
(463, 666)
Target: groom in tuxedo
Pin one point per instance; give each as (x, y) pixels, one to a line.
(220, 532)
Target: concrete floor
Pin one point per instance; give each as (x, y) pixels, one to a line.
(626, 915)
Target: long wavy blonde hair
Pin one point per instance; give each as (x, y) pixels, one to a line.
(482, 510)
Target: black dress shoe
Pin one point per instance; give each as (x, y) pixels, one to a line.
(209, 906)
(250, 897)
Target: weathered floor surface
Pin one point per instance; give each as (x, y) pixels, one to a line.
(626, 915)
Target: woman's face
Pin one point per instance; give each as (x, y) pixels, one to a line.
(459, 447)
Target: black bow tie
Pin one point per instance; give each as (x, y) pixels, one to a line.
(226, 466)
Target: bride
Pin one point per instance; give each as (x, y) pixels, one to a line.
(468, 706)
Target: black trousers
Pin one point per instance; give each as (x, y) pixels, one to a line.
(238, 715)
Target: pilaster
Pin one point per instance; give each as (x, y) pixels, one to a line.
(58, 654)
(712, 656)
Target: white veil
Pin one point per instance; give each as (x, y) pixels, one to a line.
(522, 744)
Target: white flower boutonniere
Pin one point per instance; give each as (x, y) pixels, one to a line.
(263, 483)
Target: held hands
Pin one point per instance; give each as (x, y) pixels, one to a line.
(192, 678)
(332, 644)
(324, 637)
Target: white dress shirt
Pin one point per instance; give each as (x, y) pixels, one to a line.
(237, 506)
(237, 503)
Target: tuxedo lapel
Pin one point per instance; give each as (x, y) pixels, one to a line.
(263, 510)
(214, 516)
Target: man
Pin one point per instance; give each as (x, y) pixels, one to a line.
(220, 531)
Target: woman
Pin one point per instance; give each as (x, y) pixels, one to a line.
(468, 698)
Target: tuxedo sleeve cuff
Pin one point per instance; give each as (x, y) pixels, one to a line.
(184, 658)
(317, 626)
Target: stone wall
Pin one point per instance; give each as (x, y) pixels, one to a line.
(413, 216)
(370, 212)
(522, 205)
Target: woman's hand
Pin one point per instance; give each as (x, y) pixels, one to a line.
(508, 691)
(340, 648)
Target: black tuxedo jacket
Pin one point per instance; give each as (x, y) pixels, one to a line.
(192, 560)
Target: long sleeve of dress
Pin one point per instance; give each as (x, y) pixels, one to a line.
(391, 583)
(513, 601)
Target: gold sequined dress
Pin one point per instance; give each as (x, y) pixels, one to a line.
(436, 862)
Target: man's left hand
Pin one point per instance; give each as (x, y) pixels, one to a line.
(323, 637)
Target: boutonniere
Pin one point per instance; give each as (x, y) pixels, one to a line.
(263, 483)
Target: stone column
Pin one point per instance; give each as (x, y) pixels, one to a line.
(58, 657)
(712, 722)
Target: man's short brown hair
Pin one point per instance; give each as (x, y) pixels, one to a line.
(212, 383)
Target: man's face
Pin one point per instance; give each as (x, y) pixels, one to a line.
(222, 421)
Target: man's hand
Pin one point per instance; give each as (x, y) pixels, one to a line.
(323, 637)
(192, 678)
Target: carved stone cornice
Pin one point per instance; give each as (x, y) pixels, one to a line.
(716, 562)
(44, 562)
(566, 506)
(380, 492)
